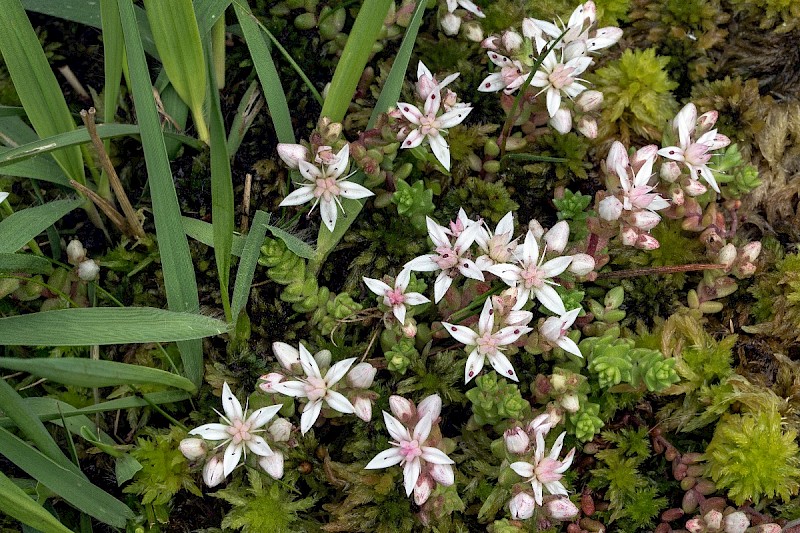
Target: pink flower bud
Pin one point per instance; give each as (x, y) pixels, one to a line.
(473, 32)
(645, 220)
(570, 403)
(522, 506)
(713, 519)
(516, 440)
(588, 127)
(707, 120)
(511, 40)
(361, 376)
(193, 449)
(213, 472)
(751, 250)
(645, 241)
(561, 509)
(609, 208)
(670, 171)
(430, 406)
(450, 24)
(736, 522)
(628, 236)
(642, 155)
(589, 100)
(582, 264)
(88, 270)
(720, 141)
(410, 328)
(727, 255)
(287, 355)
(695, 525)
(272, 464)
(746, 270)
(443, 474)
(280, 430)
(363, 408)
(76, 253)
(490, 43)
(676, 195)
(694, 187)
(422, 490)
(768, 528)
(401, 408)
(617, 160)
(292, 154)
(562, 121)
(557, 237)
(268, 381)
(551, 328)
(535, 228)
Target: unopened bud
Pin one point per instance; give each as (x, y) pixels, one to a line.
(522, 506)
(645, 241)
(292, 154)
(609, 208)
(268, 381)
(642, 155)
(557, 237)
(473, 32)
(443, 474)
(582, 264)
(517, 441)
(423, 489)
(511, 40)
(713, 519)
(695, 525)
(450, 24)
(736, 522)
(88, 270)
(694, 187)
(617, 160)
(676, 195)
(213, 472)
(76, 253)
(430, 406)
(361, 376)
(535, 228)
(628, 236)
(751, 250)
(562, 121)
(401, 408)
(727, 255)
(193, 449)
(286, 355)
(561, 509)
(363, 408)
(570, 403)
(588, 127)
(272, 464)
(280, 430)
(410, 328)
(645, 220)
(670, 171)
(589, 100)
(490, 43)
(707, 120)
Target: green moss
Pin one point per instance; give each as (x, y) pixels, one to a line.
(777, 304)
(489, 200)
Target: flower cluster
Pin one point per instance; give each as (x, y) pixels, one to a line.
(348, 397)
(416, 446)
(430, 125)
(451, 19)
(87, 269)
(563, 55)
(238, 434)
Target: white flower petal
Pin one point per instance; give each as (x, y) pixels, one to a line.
(260, 417)
(502, 365)
(530, 249)
(523, 469)
(327, 209)
(310, 415)
(415, 298)
(436, 456)
(309, 171)
(411, 112)
(437, 233)
(475, 363)
(338, 402)
(395, 428)
(399, 311)
(300, 196)
(549, 298)
(402, 280)
(233, 453)
(339, 164)
(672, 152)
(454, 117)
(492, 83)
(423, 263)
(556, 266)
(338, 370)
(385, 459)
(411, 473)
(462, 334)
(212, 431)
(230, 404)
(377, 286)
(440, 286)
(440, 149)
(568, 345)
(510, 334)
(258, 446)
(486, 318)
(413, 139)
(422, 429)
(308, 363)
(470, 269)
(295, 389)
(353, 191)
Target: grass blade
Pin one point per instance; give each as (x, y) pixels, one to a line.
(177, 37)
(179, 278)
(95, 373)
(247, 265)
(297, 246)
(267, 74)
(221, 192)
(39, 168)
(19, 506)
(70, 486)
(30, 264)
(204, 232)
(20, 228)
(113, 56)
(36, 84)
(105, 325)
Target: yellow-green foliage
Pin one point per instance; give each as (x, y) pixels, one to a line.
(752, 457)
(783, 15)
(778, 301)
(637, 92)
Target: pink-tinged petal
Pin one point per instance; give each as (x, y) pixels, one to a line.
(402, 280)
(580, 64)
(295, 389)
(510, 334)
(498, 59)
(519, 317)
(422, 429)
(385, 459)
(556, 266)
(502, 366)
(310, 415)
(338, 402)
(540, 79)
(300, 196)
(436, 456)
(658, 203)
(454, 117)
(505, 271)
(470, 269)
(260, 417)
(492, 83)
(415, 298)
(410, 112)
(340, 162)
(486, 319)
(423, 263)
(327, 210)
(709, 177)
(523, 469)
(506, 225)
(462, 334)
(308, 363)
(422, 70)
(395, 428)
(212, 431)
(411, 473)
(574, 89)
(448, 80)
(530, 249)
(568, 318)
(672, 152)
(413, 139)
(475, 363)
(557, 445)
(556, 488)
(432, 102)
(233, 453)
(437, 233)
(399, 312)
(230, 404)
(644, 174)
(338, 370)
(291, 154)
(484, 262)
(537, 492)
(440, 149)
(467, 237)
(376, 286)
(539, 450)
(707, 138)
(553, 100)
(685, 122)
(549, 298)
(441, 285)
(309, 171)
(471, 7)
(565, 464)
(258, 446)
(354, 191)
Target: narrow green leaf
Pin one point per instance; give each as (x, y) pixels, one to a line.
(11, 111)
(177, 37)
(70, 486)
(267, 74)
(354, 58)
(247, 265)
(36, 84)
(19, 506)
(249, 106)
(204, 232)
(113, 56)
(176, 260)
(31, 264)
(105, 325)
(208, 12)
(38, 168)
(125, 467)
(297, 246)
(74, 422)
(20, 228)
(221, 192)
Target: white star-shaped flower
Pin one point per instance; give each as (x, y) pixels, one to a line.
(238, 432)
(325, 184)
(317, 388)
(545, 472)
(396, 298)
(498, 246)
(555, 330)
(487, 343)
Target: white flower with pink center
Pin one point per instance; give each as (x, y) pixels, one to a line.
(487, 343)
(317, 388)
(555, 331)
(498, 246)
(545, 472)
(449, 257)
(533, 275)
(396, 298)
(325, 184)
(238, 431)
(556, 77)
(409, 450)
